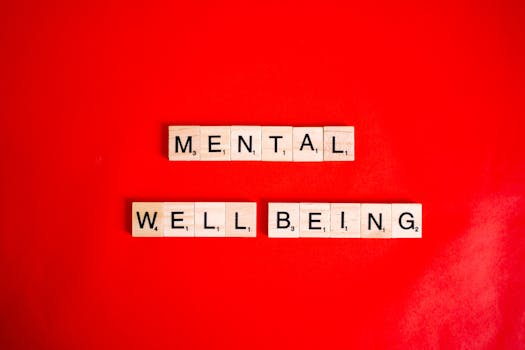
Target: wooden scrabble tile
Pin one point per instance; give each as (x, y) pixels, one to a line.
(184, 142)
(407, 220)
(277, 143)
(241, 219)
(215, 143)
(210, 219)
(308, 144)
(376, 220)
(283, 220)
(146, 219)
(314, 220)
(245, 143)
(178, 219)
(338, 143)
(345, 219)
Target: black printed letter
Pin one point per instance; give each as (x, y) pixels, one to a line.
(210, 143)
(173, 219)
(286, 218)
(333, 146)
(151, 223)
(310, 220)
(237, 227)
(379, 225)
(309, 143)
(241, 139)
(206, 222)
(411, 222)
(178, 143)
(275, 139)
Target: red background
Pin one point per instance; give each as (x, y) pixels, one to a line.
(435, 92)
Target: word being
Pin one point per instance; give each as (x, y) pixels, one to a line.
(290, 220)
(266, 143)
(345, 220)
(194, 219)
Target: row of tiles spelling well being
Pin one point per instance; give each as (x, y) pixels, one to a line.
(267, 143)
(293, 220)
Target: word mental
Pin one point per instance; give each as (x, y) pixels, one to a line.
(285, 220)
(266, 143)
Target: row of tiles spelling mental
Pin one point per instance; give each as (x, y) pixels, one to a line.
(266, 143)
(239, 219)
